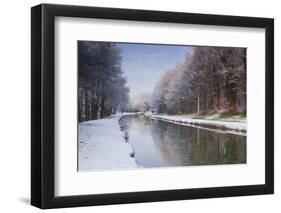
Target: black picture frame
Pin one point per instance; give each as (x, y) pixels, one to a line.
(43, 102)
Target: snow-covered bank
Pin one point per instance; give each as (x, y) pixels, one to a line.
(240, 126)
(102, 146)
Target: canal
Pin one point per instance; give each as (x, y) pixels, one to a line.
(159, 143)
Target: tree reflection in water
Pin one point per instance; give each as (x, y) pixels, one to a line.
(159, 143)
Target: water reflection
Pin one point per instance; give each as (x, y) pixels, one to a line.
(158, 143)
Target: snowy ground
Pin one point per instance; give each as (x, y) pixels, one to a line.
(227, 125)
(102, 146)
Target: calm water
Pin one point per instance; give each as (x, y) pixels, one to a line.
(160, 143)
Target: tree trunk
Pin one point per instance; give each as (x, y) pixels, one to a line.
(80, 107)
(219, 98)
(198, 103)
(233, 103)
(93, 110)
(102, 107)
(86, 105)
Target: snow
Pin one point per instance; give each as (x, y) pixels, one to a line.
(239, 126)
(102, 146)
(130, 113)
(217, 116)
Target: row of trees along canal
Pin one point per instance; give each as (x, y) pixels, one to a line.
(211, 79)
(101, 87)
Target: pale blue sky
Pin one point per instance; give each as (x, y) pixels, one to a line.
(144, 64)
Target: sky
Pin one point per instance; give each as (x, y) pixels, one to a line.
(144, 64)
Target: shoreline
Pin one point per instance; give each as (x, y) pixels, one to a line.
(101, 145)
(233, 127)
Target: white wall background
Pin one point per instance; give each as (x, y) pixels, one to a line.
(15, 105)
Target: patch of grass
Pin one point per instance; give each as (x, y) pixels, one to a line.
(243, 115)
(226, 115)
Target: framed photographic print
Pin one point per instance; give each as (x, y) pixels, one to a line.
(140, 106)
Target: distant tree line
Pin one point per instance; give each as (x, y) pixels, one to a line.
(140, 102)
(211, 79)
(102, 89)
